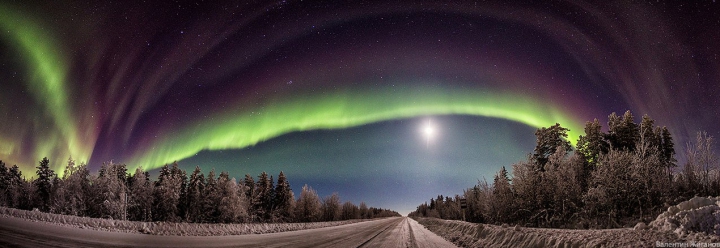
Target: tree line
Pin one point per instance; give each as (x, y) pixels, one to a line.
(612, 179)
(174, 197)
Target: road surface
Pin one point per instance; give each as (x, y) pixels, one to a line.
(388, 232)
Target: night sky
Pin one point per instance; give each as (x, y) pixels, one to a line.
(337, 94)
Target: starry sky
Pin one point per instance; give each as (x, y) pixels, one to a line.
(337, 93)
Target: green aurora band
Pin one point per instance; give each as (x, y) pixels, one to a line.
(46, 83)
(343, 109)
(240, 129)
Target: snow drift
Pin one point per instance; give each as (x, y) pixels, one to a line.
(699, 214)
(695, 220)
(167, 228)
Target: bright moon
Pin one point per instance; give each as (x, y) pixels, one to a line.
(428, 131)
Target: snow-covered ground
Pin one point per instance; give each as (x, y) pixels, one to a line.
(699, 214)
(165, 228)
(693, 222)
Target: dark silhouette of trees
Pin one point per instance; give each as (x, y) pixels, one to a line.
(284, 200)
(548, 141)
(43, 184)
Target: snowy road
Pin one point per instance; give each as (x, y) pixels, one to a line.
(389, 232)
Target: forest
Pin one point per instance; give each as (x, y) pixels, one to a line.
(113, 193)
(611, 179)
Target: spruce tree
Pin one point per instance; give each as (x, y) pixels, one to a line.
(211, 197)
(264, 199)
(194, 196)
(43, 184)
(283, 199)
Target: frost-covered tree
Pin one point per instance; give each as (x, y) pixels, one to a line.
(231, 206)
(703, 165)
(141, 196)
(502, 204)
(562, 182)
(477, 199)
(331, 209)
(211, 197)
(15, 184)
(307, 208)
(611, 182)
(167, 193)
(43, 184)
(194, 197)
(112, 191)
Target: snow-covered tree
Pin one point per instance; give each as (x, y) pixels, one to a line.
(503, 199)
(307, 208)
(112, 191)
(194, 196)
(562, 181)
(231, 207)
(141, 196)
(704, 164)
(15, 184)
(167, 193)
(211, 197)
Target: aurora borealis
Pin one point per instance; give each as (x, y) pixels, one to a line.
(334, 93)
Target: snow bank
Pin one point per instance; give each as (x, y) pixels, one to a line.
(166, 228)
(699, 214)
(465, 234)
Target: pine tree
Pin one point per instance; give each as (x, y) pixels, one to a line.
(4, 183)
(250, 195)
(14, 186)
(592, 144)
(623, 132)
(194, 196)
(502, 197)
(43, 184)
(264, 197)
(284, 200)
(667, 149)
(211, 197)
(548, 140)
